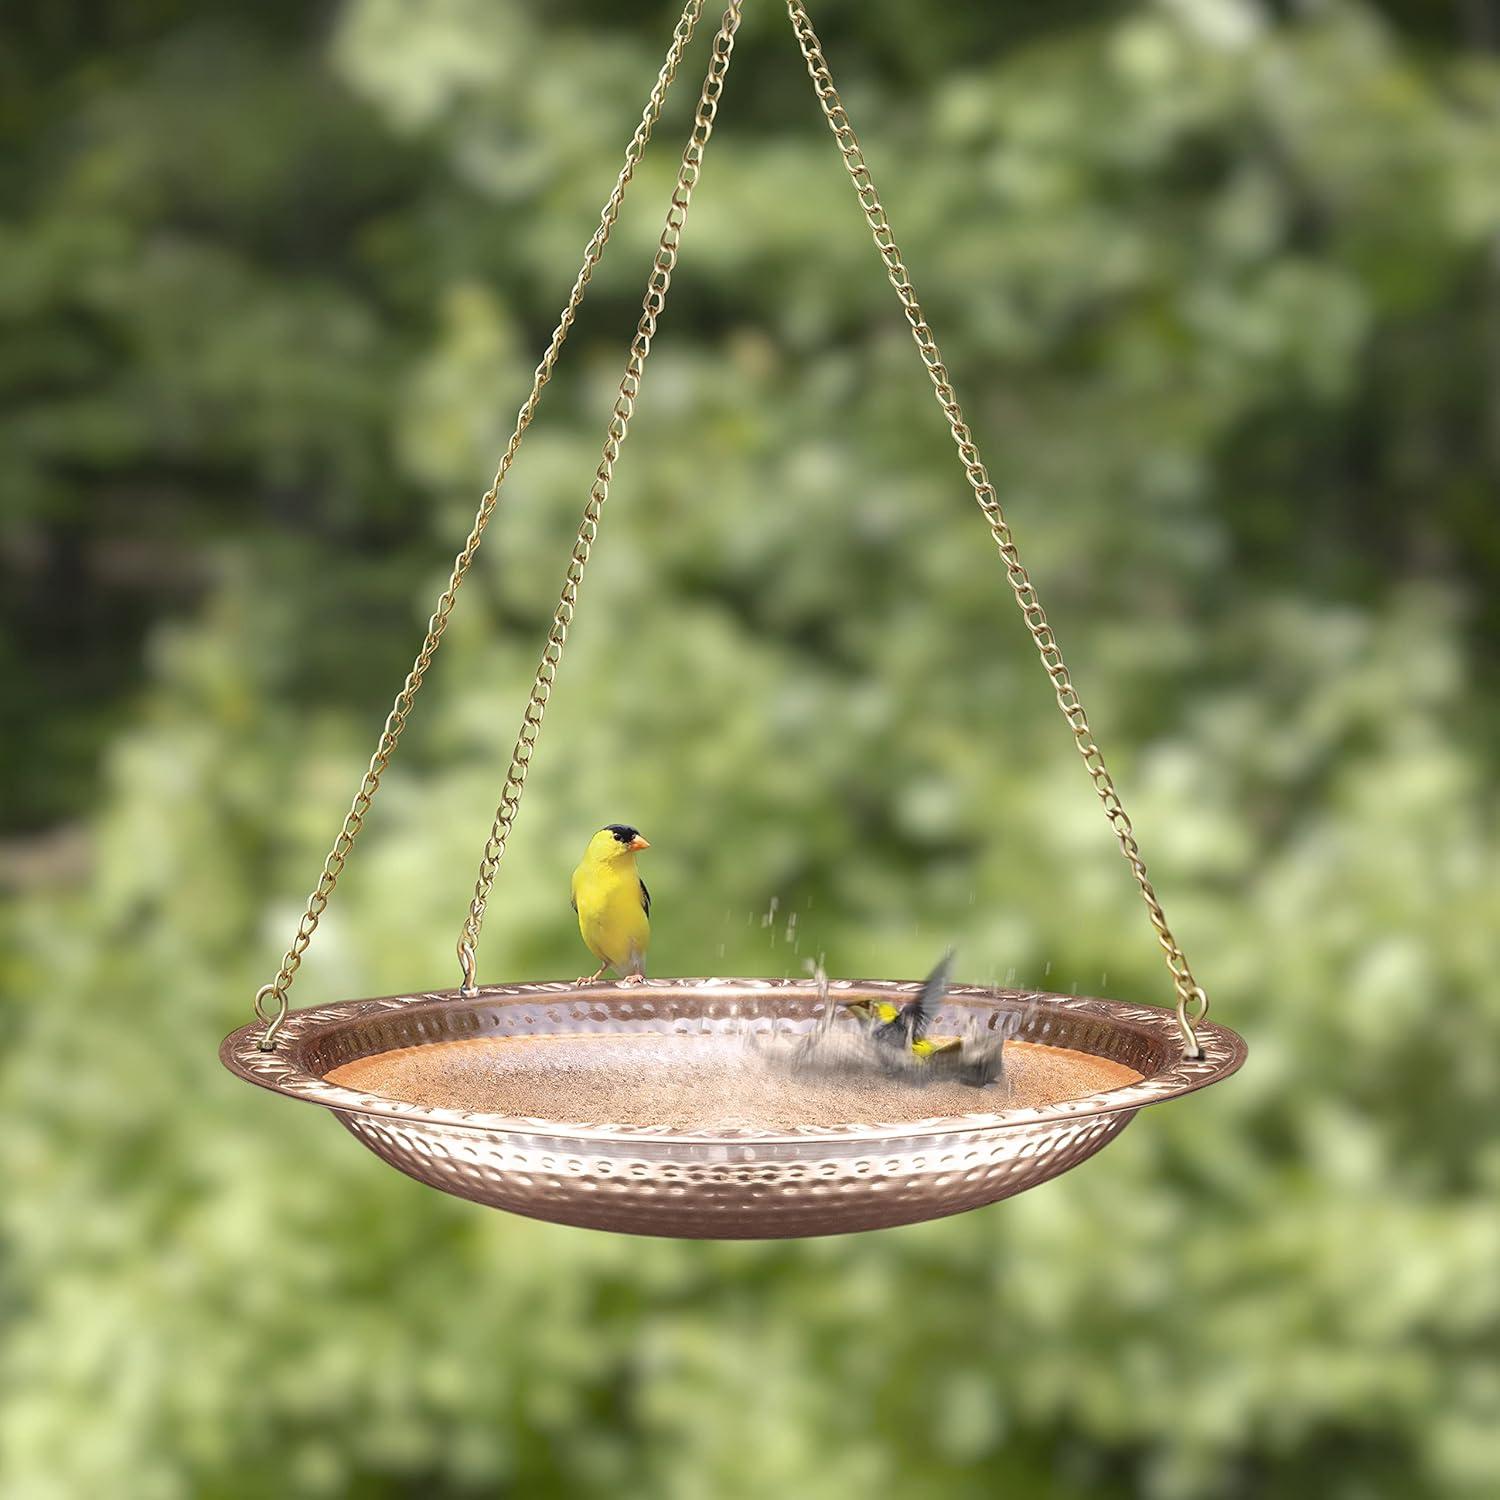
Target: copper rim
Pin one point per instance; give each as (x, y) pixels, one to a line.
(358, 1028)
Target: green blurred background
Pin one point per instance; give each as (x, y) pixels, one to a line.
(1220, 286)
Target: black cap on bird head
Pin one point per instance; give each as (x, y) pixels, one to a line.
(626, 835)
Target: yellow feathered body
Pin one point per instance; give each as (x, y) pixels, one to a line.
(887, 1021)
(612, 902)
(906, 1026)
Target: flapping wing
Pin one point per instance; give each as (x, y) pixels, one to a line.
(917, 1016)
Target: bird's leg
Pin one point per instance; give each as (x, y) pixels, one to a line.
(634, 977)
(593, 978)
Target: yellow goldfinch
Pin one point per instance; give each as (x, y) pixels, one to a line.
(613, 904)
(906, 1028)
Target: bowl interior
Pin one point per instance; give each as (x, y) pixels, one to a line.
(705, 1059)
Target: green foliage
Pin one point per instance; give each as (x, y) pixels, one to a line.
(1219, 293)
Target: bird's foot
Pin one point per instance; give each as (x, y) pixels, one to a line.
(593, 978)
(634, 979)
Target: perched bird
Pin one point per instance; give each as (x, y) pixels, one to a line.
(906, 1028)
(613, 904)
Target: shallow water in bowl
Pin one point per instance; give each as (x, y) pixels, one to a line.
(702, 1084)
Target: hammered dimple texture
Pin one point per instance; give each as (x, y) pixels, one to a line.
(734, 1191)
(739, 1184)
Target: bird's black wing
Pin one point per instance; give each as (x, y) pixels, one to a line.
(645, 898)
(574, 904)
(916, 1016)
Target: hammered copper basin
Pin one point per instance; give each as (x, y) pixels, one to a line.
(667, 1109)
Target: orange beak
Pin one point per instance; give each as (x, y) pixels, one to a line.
(638, 843)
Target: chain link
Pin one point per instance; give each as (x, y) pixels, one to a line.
(1192, 1002)
(619, 426)
(271, 999)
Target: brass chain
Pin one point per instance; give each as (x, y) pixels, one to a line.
(1192, 1002)
(619, 426)
(438, 623)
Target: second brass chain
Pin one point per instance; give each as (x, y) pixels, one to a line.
(664, 263)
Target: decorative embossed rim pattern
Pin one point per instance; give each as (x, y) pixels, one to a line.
(358, 1028)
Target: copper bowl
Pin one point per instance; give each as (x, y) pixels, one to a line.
(735, 1181)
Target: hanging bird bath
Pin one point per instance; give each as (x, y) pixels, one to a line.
(664, 1135)
(653, 1109)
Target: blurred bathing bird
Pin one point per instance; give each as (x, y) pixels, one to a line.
(894, 1039)
(906, 1028)
(613, 904)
